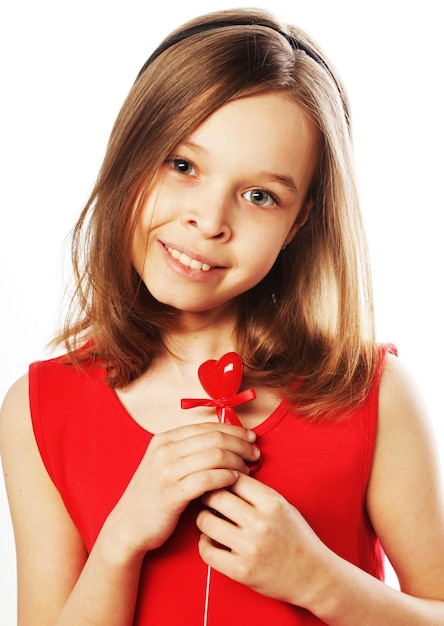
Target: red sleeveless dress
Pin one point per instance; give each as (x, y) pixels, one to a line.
(91, 447)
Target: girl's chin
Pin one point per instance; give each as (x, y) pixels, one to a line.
(199, 309)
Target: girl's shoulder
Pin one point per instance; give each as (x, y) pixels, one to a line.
(15, 413)
(399, 392)
(403, 415)
(58, 375)
(406, 480)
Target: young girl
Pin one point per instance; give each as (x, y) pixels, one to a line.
(224, 222)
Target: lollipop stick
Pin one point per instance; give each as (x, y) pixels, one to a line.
(207, 596)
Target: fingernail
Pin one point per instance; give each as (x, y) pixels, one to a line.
(251, 435)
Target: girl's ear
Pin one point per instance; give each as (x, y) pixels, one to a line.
(300, 221)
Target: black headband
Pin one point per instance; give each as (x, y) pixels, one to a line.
(202, 28)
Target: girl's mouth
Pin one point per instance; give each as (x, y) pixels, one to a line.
(184, 259)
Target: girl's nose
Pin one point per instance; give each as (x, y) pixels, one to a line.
(211, 216)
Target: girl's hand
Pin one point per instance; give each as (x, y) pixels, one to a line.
(179, 466)
(254, 536)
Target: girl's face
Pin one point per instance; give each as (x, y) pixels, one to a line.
(226, 201)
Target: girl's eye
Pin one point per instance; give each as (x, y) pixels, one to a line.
(260, 197)
(183, 166)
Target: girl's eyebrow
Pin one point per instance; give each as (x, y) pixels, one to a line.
(193, 146)
(282, 179)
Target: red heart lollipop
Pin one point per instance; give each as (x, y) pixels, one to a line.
(222, 378)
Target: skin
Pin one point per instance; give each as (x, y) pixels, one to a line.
(201, 204)
(218, 199)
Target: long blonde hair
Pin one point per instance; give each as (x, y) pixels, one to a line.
(311, 318)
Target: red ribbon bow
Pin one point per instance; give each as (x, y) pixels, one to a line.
(221, 380)
(224, 406)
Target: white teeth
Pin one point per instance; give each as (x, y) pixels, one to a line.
(195, 265)
(184, 259)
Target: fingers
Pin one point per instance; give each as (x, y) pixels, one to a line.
(210, 445)
(189, 461)
(252, 491)
(218, 530)
(206, 460)
(253, 535)
(226, 518)
(195, 485)
(225, 505)
(191, 430)
(236, 515)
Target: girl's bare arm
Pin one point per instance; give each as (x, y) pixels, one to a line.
(51, 556)
(406, 505)
(58, 583)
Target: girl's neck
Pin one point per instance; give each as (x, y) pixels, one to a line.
(197, 338)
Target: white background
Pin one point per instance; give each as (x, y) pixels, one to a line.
(65, 70)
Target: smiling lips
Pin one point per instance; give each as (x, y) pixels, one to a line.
(184, 259)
